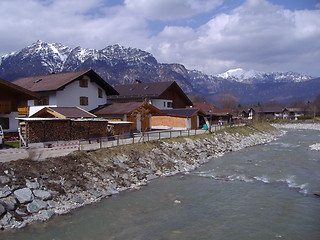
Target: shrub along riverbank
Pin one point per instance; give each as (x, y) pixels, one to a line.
(31, 190)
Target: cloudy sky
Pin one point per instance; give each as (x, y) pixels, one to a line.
(208, 35)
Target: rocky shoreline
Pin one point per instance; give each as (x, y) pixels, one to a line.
(35, 191)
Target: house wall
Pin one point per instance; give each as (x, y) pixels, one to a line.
(162, 103)
(70, 96)
(173, 94)
(169, 121)
(13, 122)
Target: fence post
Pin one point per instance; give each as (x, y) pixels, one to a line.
(159, 135)
(133, 138)
(118, 139)
(100, 142)
(188, 132)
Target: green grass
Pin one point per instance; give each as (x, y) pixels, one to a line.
(13, 144)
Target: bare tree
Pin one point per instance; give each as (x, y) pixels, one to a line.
(227, 100)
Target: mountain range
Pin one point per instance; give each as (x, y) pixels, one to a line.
(120, 65)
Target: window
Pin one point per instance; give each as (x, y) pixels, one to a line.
(4, 122)
(100, 93)
(169, 104)
(83, 83)
(84, 101)
(44, 100)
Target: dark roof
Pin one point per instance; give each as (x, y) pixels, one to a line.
(147, 90)
(222, 111)
(14, 89)
(269, 109)
(64, 112)
(183, 112)
(152, 89)
(122, 108)
(204, 106)
(53, 82)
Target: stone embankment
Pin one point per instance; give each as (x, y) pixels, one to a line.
(31, 191)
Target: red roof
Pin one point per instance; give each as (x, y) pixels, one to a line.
(204, 106)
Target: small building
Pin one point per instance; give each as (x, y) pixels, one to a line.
(12, 99)
(292, 113)
(162, 95)
(85, 89)
(139, 113)
(181, 118)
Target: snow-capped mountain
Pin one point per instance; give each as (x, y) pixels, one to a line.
(253, 76)
(117, 65)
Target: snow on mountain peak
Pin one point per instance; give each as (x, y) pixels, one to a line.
(253, 76)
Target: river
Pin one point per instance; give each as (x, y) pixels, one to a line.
(262, 192)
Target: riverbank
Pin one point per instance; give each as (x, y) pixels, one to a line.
(31, 191)
(302, 126)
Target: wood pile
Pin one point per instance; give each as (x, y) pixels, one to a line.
(64, 130)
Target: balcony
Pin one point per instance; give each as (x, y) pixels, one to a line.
(5, 107)
(23, 110)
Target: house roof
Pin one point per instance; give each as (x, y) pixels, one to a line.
(204, 106)
(183, 112)
(123, 108)
(57, 81)
(294, 109)
(222, 111)
(268, 109)
(63, 112)
(15, 90)
(147, 90)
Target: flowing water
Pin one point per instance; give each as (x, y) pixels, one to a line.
(262, 192)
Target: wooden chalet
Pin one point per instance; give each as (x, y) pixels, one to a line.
(139, 113)
(13, 102)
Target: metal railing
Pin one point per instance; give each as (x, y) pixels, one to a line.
(117, 140)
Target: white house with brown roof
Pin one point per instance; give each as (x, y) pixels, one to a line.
(84, 89)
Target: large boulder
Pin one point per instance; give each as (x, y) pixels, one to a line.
(10, 203)
(2, 210)
(24, 195)
(36, 205)
(5, 191)
(41, 194)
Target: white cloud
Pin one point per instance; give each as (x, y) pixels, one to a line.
(71, 22)
(171, 9)
(257, 35)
